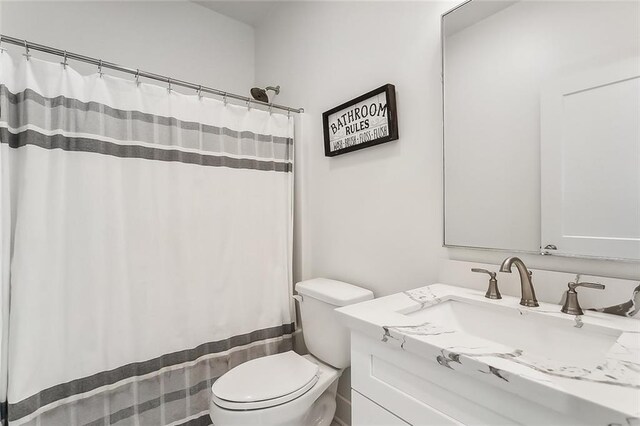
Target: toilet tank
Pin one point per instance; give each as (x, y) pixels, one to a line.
(325, 337)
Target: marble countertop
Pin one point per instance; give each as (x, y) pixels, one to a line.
(608, 384)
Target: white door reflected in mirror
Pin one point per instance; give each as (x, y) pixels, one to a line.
(590, 162)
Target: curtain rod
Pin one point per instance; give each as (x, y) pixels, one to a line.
(136, 72)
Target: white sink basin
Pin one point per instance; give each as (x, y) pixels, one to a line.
(538, 335)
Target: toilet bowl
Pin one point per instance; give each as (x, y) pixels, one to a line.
(289, 389)
(311, 403)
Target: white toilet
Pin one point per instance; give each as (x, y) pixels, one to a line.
(288, 389)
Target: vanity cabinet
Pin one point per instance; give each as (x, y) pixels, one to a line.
(400, 388)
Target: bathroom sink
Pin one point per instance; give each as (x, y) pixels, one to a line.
(585, 366)
(563, 340)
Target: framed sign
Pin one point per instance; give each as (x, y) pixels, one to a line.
(365, 121)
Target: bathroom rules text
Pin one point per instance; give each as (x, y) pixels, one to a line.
(363, 122)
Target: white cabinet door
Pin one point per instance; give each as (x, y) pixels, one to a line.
(422, 392)
(590, 163)
(367, 413)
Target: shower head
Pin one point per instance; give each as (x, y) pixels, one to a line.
(261, 94)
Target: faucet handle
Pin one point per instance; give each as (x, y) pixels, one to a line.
(571, 305)
(492, 291)
(597, 286)
(484, 271)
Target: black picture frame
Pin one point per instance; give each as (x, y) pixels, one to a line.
(356, 129)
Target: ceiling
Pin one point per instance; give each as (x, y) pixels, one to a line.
(249, 12)
(471, 13)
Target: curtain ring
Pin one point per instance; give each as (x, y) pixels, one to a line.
(1, 48)
(100, 68)
(137, 77)
(168, 85)
(26, 50)
(199, 92)
(248, 104)
(224, 99)
(270, 108)
(64, 60)
(288, 113)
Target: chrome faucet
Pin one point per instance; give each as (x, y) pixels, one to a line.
(528, 297)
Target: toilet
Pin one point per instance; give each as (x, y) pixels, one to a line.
(288, 389)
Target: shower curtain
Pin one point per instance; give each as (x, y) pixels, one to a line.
(146, 246)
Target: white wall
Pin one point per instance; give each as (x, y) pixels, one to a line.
(176, 38)
(371, 217)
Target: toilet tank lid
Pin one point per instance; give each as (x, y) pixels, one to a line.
(334, 292)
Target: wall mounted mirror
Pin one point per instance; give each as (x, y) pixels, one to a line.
(542, 127)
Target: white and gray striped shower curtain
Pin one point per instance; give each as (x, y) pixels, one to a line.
(146, 246)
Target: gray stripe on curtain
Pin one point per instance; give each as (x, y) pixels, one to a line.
(200, 421)
(29, 95)
(72, 115)
(32, 137)
(79, 386)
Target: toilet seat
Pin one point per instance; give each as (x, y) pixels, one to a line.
(265, 382)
